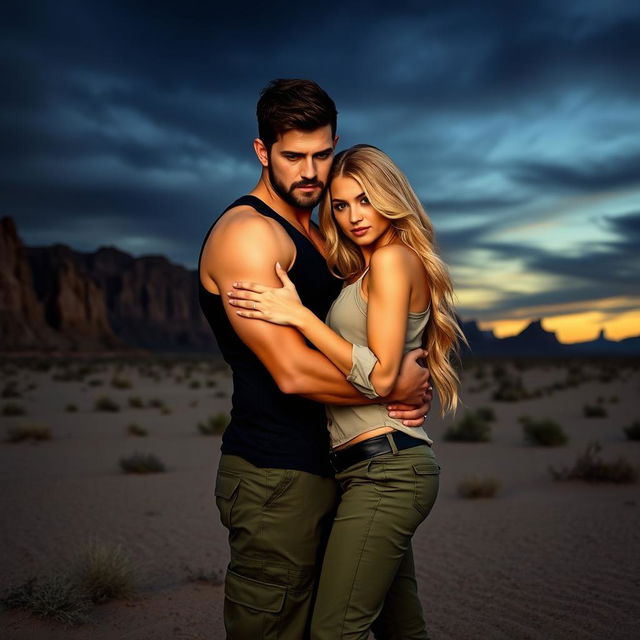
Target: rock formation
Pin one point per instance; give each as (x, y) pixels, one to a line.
(57, 298)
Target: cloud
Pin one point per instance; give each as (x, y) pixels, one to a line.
(131, 123)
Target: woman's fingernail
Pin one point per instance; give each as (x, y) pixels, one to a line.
(393, 414)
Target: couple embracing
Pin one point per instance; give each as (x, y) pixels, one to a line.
(326, 470)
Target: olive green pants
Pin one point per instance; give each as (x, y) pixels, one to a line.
(368, 579)
(278, 522)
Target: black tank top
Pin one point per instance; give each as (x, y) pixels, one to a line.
(269, 428)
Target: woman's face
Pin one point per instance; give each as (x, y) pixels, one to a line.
(353, 212)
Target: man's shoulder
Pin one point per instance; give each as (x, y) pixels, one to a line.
(244, 225)
(244, 235)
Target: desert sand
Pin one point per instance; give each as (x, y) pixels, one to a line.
(543, 559)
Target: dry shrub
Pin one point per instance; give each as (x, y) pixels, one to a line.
(105, 403)
(30, 431)
(479, 487)
(591, 468)
(142, 463)
(594, 411)
(57, 597)
(135, 402)
(120, 382)
(471, 428)
(104, 572)
(13, 409)
(135, 429)
(544, 432)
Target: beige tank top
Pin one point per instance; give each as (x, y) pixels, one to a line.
(348, 317)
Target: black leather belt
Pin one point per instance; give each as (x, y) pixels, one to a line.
(343, 458)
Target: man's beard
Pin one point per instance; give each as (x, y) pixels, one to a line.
(299, 201)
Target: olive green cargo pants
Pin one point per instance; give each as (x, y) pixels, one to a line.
(279, 521)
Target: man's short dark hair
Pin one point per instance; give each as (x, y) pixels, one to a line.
(287, 104)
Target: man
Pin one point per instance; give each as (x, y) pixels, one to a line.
(274, 488)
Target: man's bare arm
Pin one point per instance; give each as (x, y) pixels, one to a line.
(246, 247)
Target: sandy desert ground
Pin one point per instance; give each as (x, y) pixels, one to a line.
(543, 559)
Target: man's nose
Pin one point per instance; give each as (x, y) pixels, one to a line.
(309, 169)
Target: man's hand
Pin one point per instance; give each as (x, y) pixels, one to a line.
(410, 399)
(410, 415)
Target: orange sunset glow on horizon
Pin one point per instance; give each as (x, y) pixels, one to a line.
(574, 327)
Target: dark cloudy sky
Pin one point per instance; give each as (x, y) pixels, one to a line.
(517, 122)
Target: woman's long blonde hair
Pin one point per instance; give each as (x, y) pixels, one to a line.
(391, 195)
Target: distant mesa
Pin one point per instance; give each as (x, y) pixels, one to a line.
(57, 299)
(535, 340)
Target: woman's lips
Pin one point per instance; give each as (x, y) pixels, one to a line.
(360, 231)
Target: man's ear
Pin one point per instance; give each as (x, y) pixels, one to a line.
(335, 141)
(261, 151)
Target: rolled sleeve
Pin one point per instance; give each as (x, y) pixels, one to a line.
(363, 361)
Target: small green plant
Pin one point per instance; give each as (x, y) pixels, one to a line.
(57, 597)
(594, 411)
(142, 463)
(545, 432)
(214, 425)
(13, 409)
(156, 403)
(194, 384)
(104, 572)
(28, 432)
(479, 487)
(471, 428)
(511, 390)
(136, 430)
(135, 402)
(633, 431)
(120, 382)
(105, 403)
(486, 413)
(71, 408)
(591, 468)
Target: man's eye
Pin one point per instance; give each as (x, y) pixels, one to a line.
(323, 156)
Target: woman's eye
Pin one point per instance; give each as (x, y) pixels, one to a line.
(339, 206)
(364, 200)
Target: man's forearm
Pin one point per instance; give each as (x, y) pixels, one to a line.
(318, 379)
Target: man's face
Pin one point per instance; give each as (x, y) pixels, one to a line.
(299, 164)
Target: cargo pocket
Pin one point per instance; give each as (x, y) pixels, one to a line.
(226, 492)
(426, 486)
(252, 608)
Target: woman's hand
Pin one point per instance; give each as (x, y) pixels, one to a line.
(279, 305)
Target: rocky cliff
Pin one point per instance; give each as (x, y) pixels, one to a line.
(57, 298)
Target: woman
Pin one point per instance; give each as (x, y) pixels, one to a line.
(397, 296)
